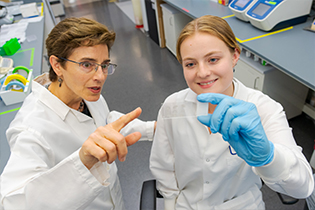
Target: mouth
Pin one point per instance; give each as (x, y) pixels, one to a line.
(207, 83)
(95, 89)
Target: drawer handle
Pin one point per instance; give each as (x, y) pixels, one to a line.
(255, 87)
(171, 21)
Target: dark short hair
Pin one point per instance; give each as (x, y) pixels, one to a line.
(72, 33)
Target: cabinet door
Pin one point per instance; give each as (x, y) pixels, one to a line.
(248, 76)
(170, 39)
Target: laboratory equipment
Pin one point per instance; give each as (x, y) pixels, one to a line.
(5, 17)
(177, 110)
(240, 7)
(11, 46)
(16, 86)
(270, 15)
(5, 64)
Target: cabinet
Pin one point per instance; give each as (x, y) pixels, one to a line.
(174, 21)
(152, 23)
(274, 83)
(57, 7)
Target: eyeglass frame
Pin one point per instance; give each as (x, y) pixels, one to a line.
(97, 65)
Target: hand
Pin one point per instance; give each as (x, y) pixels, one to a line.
(106, 143)
(239, 123)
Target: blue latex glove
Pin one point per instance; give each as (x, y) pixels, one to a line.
(239, 123)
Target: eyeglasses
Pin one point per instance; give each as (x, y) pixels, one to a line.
(87, 67)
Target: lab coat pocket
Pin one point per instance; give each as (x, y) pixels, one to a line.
(252, 199)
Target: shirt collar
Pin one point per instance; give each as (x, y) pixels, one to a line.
(55, 104)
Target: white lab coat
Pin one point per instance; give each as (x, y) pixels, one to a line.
(44, 170)
(196, 170)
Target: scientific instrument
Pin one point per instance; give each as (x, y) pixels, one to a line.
(240, 7)
(270, 15)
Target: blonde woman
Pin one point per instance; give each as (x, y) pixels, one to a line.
(217, 161)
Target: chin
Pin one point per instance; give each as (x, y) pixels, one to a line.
(204, 91)
(92, 99)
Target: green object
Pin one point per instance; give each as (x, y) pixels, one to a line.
(272, 2)
(2, 52)
(11, 46)
(16, 69)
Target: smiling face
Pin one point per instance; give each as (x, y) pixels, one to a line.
(78, 84)
(208, 64)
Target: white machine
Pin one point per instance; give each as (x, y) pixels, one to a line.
(240, 7)
(270, 15)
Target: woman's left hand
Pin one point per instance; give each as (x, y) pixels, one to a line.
(239, 123)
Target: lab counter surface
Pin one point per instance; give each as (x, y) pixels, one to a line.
(29, 55)
(291, 50)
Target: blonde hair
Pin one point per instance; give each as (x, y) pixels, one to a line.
(212, 25)
(72, 33)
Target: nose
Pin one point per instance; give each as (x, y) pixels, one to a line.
(99, 75)
(203, 70)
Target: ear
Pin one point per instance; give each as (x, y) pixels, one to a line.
(236, 56)
(53, 60)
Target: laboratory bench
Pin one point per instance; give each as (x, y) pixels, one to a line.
(284, 66)
(29, 55)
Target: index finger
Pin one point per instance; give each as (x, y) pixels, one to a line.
(125, 119)
(213, 98)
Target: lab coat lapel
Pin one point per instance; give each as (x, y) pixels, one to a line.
(96, 114)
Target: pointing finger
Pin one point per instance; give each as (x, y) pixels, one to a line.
(125, 119)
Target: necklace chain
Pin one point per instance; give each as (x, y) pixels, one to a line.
(80, 109)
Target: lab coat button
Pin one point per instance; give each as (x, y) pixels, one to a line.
(207, 182)
(208, 160)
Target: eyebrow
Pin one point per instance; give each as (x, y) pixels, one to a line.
(93, 60)
(211, 53)
(207, 55)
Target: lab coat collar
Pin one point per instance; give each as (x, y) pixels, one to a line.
(55, 104)
(95, 113)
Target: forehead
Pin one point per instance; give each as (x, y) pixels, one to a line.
(202, 37)
(202, 43)
(94, 52)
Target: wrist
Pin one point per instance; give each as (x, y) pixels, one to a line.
(88, 162)
(266, 160)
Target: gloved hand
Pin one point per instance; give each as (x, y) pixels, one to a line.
(239, 123)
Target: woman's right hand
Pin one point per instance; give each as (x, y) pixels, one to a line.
(106, 143)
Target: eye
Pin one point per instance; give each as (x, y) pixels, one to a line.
(104, 66)
(189, 65)
(213, 60)
(86, 65)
